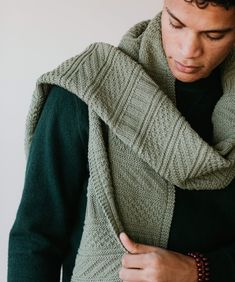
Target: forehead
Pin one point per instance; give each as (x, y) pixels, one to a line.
(210, 17)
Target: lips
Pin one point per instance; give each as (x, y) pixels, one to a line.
(186, 69)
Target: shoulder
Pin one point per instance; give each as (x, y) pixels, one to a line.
(60, 98)
(64, 114)
(69, 111)
(67, 106)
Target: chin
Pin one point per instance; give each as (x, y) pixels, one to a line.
(183, 76)
(187, 77)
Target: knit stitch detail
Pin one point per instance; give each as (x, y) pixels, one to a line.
(151, 147)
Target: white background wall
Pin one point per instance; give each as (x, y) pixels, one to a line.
(36, 36)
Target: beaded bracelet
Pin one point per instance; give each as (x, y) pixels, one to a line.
(202, 266)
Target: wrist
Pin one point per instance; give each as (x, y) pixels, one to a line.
(192, 266)
(202, 266)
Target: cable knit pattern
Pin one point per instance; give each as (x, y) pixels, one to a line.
(151, 147)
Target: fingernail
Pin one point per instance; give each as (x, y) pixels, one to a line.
(122, 235)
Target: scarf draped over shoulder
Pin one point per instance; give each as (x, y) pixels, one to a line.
(151, 146)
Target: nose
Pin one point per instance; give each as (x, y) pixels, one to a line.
(191, 46)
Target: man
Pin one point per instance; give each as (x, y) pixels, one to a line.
(196, 41)
(155, 163)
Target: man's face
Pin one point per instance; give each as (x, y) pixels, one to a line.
(196, 40)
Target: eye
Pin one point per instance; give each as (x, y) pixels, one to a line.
(214, 37)
(174, 25)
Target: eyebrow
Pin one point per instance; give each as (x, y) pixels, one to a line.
(224, 30)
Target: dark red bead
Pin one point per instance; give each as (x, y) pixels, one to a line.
(202, 266)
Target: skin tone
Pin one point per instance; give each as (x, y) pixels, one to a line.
(195, 42)
(149, 263)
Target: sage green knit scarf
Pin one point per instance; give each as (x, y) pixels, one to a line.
(150, 149)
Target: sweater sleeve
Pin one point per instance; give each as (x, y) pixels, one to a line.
(54, 177)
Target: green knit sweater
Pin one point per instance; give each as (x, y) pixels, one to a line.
(150, 149)
(65, 118)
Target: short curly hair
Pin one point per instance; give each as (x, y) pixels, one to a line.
(204, 3)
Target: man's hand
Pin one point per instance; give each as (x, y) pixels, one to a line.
(152, 264)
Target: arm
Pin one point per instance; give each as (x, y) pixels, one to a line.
(39, 238)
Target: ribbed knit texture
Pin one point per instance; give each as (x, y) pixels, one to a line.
(151, 147)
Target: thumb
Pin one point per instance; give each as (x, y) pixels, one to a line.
(132, 247)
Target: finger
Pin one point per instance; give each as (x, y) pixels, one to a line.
(135, 248)
(138, 261)
(136, 275)
(128, 243)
